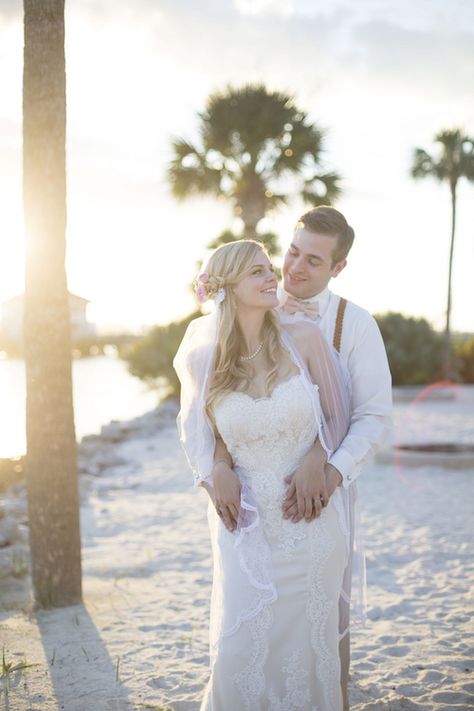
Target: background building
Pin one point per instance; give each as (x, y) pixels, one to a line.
(12, 319)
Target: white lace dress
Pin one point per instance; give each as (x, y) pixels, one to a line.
(285, 657)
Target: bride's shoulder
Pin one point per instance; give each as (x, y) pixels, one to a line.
(303, 333)
(301, 329)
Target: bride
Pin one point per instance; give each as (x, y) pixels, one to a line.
(273, 395)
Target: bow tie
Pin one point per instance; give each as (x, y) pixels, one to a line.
(292, 305)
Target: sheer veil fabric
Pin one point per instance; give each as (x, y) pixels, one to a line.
(243, 558)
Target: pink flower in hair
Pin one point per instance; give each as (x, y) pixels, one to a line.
(201, 293)
(203, 278)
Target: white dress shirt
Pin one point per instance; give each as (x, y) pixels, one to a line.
(363, 352)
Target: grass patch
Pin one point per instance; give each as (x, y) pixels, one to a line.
(9, 668)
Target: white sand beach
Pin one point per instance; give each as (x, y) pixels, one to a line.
(140, 639)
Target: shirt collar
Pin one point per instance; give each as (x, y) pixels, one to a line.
(322, 299)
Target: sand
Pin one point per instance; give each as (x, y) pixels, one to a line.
(140, 638)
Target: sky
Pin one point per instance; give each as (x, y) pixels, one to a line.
(380, 77)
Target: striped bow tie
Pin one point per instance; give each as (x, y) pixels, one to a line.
(292, 305)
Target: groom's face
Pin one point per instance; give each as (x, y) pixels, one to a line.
(308, 266)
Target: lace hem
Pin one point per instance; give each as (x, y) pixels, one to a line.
(251, 680)
(318, 610)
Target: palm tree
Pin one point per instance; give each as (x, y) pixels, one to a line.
(51, 461)
(455, 160)
(254, 145)
(268, 239)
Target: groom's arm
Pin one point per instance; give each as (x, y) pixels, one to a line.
(371, 402)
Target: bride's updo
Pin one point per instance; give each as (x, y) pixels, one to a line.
(227, 266)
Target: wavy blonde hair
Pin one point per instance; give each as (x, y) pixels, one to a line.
(227, 266)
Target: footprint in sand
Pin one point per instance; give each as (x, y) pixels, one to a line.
(397, 650)
(409, 690)
(432, 675)
(159, 683)
(465, 701)
(388, 639)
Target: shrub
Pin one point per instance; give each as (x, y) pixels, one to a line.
(151, 358)
(416, 352)
(465, 352)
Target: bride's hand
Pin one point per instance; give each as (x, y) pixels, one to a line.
(210, 491)
(227, 494)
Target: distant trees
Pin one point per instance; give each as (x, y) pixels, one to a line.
(51, 460)
(255, 148)
(464, 350)
(151, 358)
(415, 351)
(453, 161)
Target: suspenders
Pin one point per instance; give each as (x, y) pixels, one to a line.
(336, 341)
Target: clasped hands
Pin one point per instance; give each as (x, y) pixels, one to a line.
(310, 487)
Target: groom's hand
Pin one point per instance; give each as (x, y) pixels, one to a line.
(333, 480)
(307, 490)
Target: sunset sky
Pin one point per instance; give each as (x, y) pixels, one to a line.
(380, 76)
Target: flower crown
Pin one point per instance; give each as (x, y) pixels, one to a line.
(206, 286)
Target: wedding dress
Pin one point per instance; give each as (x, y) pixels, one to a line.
(283, 655)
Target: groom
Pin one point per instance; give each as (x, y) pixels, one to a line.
(318, 253)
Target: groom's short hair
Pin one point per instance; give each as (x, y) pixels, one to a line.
(326, 220)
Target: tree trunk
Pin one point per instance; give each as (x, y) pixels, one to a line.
(252, 211)
(51, 464)
(250, 230)
(250, 202)
(450, 268)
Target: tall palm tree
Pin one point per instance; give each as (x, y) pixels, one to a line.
(51, 462)
(454, 160)
(254, 146)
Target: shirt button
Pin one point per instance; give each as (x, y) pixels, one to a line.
(349, 477)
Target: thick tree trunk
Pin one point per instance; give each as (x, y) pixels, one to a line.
(53, 497)
(250, 230)
(450, 268)
(250, 202)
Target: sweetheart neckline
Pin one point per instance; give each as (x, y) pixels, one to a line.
(267, 397)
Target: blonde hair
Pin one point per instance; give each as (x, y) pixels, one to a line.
(226, 267)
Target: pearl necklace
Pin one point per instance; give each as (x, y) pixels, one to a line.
(254, 354)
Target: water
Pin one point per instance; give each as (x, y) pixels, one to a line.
(103, 391)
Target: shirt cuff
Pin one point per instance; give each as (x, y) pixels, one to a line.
(346, 465)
